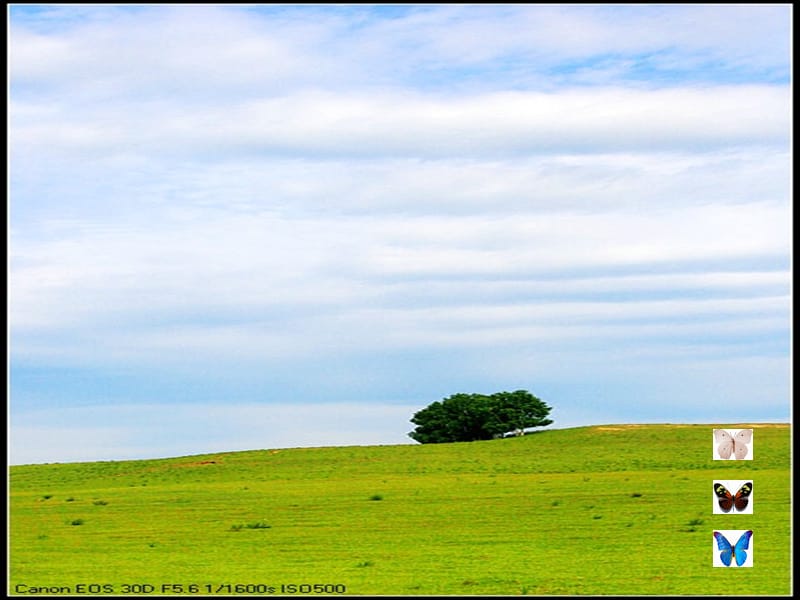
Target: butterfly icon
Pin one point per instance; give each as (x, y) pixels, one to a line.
(735, 445)
(729, 553)
(728, 501)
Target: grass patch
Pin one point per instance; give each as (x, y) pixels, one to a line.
(470, 512)
(365, 563)
(693, 524)
(254, 525)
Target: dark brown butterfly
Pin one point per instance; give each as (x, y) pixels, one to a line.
(727, 501)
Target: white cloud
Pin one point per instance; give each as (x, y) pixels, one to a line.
(205, 48)
(516, 188)
(500, 125)
(270, 287)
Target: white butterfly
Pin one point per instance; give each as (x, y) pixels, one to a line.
(733, 444)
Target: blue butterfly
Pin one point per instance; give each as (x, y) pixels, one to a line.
(738, 551)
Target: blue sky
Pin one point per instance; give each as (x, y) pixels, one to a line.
(241, 227)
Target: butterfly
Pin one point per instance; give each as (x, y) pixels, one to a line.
(727, 501)
(736, 552)
(733, 444)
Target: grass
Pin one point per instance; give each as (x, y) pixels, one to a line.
(591, 510)
(255, 525)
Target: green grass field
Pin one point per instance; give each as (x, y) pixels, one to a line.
(593, 510)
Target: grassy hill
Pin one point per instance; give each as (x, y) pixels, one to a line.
(621, 509)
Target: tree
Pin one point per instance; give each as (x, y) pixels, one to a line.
(470, 417)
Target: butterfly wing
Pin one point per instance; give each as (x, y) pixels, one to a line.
(726, 443)
(724, 497)
(741, 499)
(725, 548)
(740, 441)
(740, 547)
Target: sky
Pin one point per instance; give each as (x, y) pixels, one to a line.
(238, 227)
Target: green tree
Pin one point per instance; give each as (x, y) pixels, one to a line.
(517, 411)
(470, 417)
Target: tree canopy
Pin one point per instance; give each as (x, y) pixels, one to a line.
(470, 417)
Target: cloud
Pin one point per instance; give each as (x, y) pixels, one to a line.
(271, 286)
(205, 48)
(386, 201)
(500, 125)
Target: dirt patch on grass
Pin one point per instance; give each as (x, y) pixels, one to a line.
(622, 427)
(199, 463)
